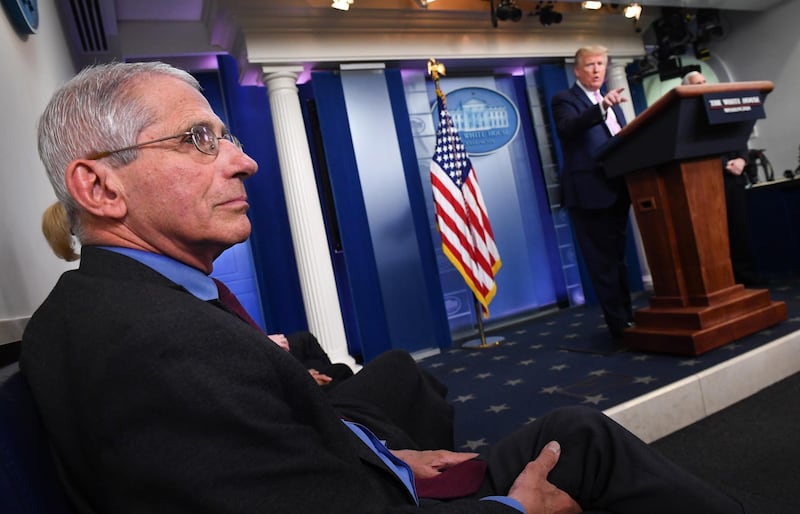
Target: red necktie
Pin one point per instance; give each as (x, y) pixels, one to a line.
(229, 300)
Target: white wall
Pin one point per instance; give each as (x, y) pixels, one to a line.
(32, 68)
(766, 46)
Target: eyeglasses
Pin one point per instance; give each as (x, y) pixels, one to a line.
(202, 137)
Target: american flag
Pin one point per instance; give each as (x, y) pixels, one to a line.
(467, 238)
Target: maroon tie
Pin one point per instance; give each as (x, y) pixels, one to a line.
(229, 300)
(460, 480)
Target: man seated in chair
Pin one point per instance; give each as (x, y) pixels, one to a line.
(158, 400)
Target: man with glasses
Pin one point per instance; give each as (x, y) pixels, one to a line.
(158, 400)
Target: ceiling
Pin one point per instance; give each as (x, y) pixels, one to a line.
(142, 29)
(187, 10)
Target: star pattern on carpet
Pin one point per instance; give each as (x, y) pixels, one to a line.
(564, 358)
(595, 399)
(497, 409)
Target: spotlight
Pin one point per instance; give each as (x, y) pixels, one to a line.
(547, 16)
(424, 3)
(508, 10)
(633, 10)
(342, 5)
(592, 5)
(701, 52)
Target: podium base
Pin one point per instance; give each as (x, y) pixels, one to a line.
(487, 342)
(696, 330)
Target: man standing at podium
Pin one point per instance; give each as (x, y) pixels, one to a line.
(585, 119)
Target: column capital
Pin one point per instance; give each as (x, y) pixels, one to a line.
(271, 72)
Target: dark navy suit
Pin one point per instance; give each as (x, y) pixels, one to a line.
(157, 402)
(598, 206)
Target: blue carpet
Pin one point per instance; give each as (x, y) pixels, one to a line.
(566, 358)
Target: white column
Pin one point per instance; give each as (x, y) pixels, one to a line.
(617, 78)
(314, 265)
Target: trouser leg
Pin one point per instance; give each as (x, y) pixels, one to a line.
(392, 391)
(601, 235)
(604, 467)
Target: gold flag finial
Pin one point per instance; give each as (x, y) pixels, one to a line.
(436, 69)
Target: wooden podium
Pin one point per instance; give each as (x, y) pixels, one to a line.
(671, 156)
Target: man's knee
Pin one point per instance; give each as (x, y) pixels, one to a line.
(578, 418)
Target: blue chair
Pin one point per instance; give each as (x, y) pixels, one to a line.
(29, 481)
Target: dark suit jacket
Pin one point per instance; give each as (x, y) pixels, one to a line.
(157, 402)
(582, 130)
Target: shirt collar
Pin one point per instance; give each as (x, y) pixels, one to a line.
(590, 94)
(192, 279)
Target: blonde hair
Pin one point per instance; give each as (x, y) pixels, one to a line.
(57, 232)
(590, 50)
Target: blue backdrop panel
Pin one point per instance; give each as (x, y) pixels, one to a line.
(356, 272)
(543, 212)
(275, 268)
(379, 170)
(416, 198)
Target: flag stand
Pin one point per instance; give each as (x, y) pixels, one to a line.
(482, 342)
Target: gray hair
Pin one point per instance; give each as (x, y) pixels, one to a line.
(688, 76)
(99, 109)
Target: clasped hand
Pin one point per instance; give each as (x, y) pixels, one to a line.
(735, 166)
(531, 488)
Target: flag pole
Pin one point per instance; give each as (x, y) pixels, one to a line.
(435, 70)
(482, 342)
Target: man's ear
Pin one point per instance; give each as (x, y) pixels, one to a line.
(95, 188)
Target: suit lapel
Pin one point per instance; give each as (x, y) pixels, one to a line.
(580, 94)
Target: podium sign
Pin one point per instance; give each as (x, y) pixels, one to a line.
(733, 107)
(671, 157)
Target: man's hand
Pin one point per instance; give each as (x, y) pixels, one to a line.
(613, 97)
(280, 340)
(430, 463)
(735, 166)
(535, 493)
(320, 378)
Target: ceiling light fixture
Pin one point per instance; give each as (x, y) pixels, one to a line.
(592, 5)
(342, 5)
(633, 10)
(508, 10)
(547, 16)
